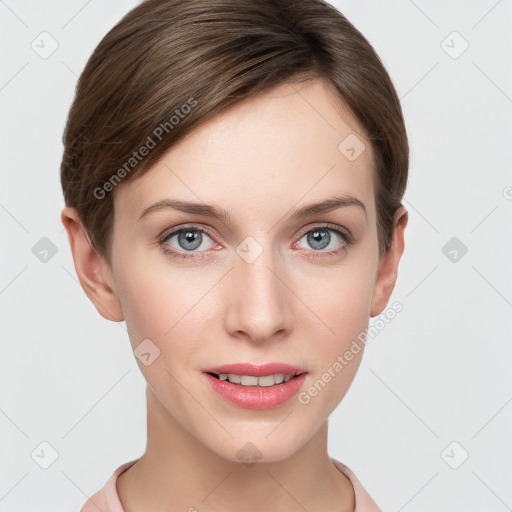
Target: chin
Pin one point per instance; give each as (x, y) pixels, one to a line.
(257, 446)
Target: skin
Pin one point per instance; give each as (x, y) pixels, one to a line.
(259, 160)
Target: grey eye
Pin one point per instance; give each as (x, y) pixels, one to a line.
(188, 239)
(319, 238)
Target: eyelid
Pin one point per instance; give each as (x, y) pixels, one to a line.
(168, 232)
(344, 231)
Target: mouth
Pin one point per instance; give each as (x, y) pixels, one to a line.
(256, 387)
(264, 381)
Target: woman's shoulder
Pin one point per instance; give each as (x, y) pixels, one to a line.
(107, 499)
(364, 502)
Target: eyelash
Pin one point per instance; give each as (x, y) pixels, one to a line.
(345, 236)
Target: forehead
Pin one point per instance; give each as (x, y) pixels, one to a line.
(294, 144)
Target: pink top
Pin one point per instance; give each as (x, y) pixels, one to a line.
(107, 499)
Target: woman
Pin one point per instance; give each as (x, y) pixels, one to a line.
(233, 174)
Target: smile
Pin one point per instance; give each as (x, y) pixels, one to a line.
(251, 380)
(257, 393)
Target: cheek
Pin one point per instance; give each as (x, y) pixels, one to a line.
(163, 303)
(341, 299)
(343, 306)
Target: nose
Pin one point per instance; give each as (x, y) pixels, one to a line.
(259, 299)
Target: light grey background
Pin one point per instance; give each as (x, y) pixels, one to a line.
(438, 373)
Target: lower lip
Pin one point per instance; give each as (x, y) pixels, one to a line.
(256, 397)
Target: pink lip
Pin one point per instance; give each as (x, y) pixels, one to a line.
(256, 397)
(256, 370)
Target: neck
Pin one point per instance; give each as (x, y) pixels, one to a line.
(178, 472)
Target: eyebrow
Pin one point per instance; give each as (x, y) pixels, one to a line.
(222, 214)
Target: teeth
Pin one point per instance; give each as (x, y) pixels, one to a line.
(250, 380)
(279, 378)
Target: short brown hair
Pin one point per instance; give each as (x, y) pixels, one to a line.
(190, 60)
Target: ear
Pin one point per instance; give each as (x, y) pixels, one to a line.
(388, 265)
(93, 271)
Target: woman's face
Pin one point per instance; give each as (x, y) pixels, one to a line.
(261, 286)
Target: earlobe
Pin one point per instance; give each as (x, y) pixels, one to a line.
(388, 265)
(92, 270)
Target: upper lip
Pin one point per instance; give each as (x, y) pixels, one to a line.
(256, 370)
